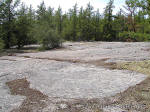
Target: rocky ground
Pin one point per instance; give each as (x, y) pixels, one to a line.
(81, 77)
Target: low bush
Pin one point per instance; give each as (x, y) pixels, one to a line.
(135, 37)
(51, 40)
(46, 36)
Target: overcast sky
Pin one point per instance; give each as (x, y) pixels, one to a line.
(66, 4)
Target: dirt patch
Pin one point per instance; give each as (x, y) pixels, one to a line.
(34, 98)
(8, 59)
(101, 62)
(148, 49)
(62, 60)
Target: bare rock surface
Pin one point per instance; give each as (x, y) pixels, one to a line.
(89, 51)
(51, 73)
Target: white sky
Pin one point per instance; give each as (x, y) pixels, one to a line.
(66, 4)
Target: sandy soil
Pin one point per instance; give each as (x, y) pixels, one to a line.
(62, 78)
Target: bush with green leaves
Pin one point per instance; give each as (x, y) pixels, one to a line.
(51, 40)
(135, 37)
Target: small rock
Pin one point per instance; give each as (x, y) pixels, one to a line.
(63, 106)
(79, 106)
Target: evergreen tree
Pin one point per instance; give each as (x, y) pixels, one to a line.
(45, 33)
(58, 19)
(80, 25)
(22, 27)
(8, 13)
(96, 24)
(74, 21)
(108, 33)
(87, 23)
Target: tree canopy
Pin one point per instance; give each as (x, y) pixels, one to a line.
(21, 25)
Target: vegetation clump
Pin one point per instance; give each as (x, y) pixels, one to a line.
(134, 37)
(51, 40)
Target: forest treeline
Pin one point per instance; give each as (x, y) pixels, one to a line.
(21, 25)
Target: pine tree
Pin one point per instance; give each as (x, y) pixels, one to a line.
(22, 28)
(108, 33)
(45, 32)
(58, 21)
(8, 13)
(96, 24)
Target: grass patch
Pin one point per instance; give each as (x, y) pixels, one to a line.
(137, 97)
(141, 66)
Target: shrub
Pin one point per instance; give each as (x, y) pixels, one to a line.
(46, 36)
(135, 37)
(51, 40)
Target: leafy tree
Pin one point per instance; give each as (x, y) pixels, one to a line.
(131, 7)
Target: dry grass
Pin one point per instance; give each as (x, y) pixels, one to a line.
(137, 97)
(141, 66)
(101, 62)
